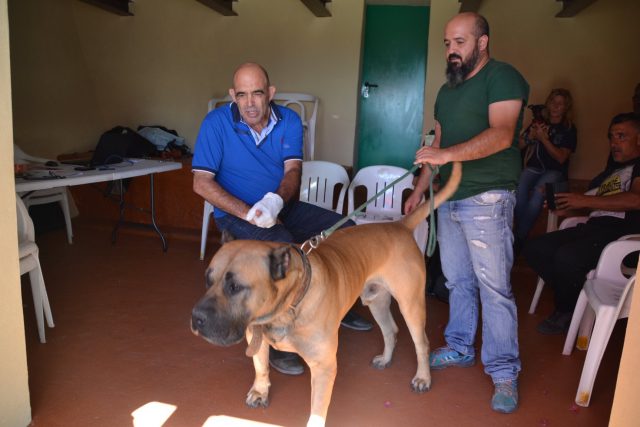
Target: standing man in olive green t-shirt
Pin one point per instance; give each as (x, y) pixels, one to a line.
(478, 116)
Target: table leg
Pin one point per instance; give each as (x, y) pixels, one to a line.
(153, 216)
(114, 233)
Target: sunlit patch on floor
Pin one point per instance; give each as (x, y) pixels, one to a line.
(227, 421)
(152, 414)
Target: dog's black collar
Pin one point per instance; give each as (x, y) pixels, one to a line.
(306, 281)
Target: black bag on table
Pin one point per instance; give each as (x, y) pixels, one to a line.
(118, 143)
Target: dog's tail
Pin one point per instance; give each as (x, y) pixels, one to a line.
(421, 212)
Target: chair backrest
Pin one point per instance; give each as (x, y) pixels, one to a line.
(610, 262)
(319, 179)
(298, 102)
(20, 156)
(26, 231)
(374, 179)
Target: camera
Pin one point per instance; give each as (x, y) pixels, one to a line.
(538, 114)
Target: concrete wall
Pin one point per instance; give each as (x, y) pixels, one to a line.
(82, 70)
(15, 409)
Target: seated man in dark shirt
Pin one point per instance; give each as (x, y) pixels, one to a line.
(563, 258)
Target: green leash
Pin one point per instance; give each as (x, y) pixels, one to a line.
(433, 239)
(431, 242)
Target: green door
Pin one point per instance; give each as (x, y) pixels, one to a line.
(392, 85)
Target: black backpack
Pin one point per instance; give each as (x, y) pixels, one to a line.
(118, 143)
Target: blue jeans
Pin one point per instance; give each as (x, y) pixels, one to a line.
(299, 221)
(530, 198)
(477, 254)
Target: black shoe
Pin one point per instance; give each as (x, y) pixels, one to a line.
(285, 362)
(556, 324)
(353, 320)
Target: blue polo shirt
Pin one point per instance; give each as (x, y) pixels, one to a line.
(225, 147)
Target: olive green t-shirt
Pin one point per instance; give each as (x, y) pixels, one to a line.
(463, 112)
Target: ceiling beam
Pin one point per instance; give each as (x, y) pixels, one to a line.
(318, 7)
(571, 8)
(119, 7)
(223, 7)
(469, 5)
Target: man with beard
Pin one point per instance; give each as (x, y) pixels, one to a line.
(247, 163)
(563, 258)
(478, 115)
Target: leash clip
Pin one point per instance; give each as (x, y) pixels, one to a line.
(312, 243)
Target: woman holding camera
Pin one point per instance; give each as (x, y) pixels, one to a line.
(547, 143)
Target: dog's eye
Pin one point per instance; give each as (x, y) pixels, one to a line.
(233, 288)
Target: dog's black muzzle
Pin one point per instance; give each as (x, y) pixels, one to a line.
(215, 326)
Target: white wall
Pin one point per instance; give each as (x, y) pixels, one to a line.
(15, 409)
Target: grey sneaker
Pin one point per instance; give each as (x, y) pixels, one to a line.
(445, 357)
(505, 396)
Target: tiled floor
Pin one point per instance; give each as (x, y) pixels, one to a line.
(122, 341)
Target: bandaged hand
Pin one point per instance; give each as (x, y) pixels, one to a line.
(265, 212)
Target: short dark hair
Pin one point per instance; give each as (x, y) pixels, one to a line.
(624, 118)
(482, 26)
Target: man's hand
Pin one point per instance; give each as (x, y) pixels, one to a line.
(265, 212)
(565, 201)
(412, 202)
(432, 155)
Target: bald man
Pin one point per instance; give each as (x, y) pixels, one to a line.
(247, 163)
(478, 115)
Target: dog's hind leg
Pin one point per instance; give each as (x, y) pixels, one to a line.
(258, 396)
(379, 301)
(413, 308)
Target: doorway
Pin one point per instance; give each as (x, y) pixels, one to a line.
(391, 96)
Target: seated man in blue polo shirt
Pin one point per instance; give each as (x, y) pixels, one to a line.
(247, 163)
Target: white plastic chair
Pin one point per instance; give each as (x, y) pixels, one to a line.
(50, 195)
(605, 298)
(297, 100)
(319, 179)
(551, 221)
(30, 263)
(388, 206)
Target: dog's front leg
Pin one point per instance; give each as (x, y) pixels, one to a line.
(323, 375)
(259, 393)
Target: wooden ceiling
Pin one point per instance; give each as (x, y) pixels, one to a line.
(570, 8)
(224, 7)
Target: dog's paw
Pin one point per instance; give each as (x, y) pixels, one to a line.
(420, 385)
(256, 399)
(379, 362)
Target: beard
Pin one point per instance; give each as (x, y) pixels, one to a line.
(457, 73)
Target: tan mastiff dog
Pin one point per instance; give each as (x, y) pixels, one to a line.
(276, 295)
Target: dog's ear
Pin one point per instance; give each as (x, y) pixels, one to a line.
(279, 261)
(227, 237)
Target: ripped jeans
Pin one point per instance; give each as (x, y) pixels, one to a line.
(476, 249)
